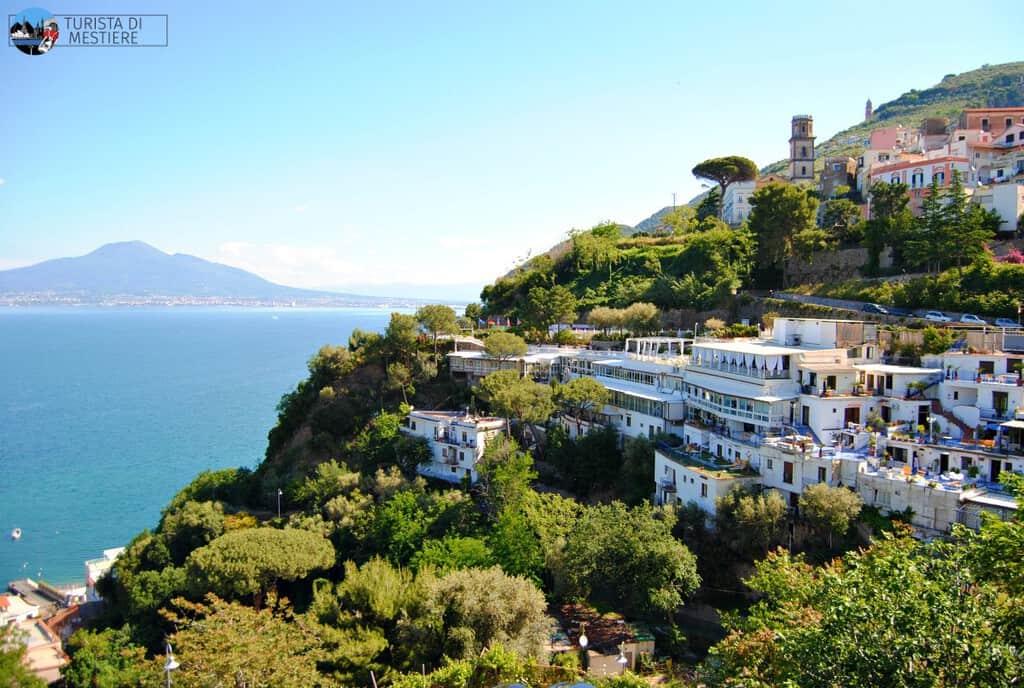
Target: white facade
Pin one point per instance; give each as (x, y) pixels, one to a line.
(1005, 200)
(681, 477)
(645, 381)
(736, 202)
(457, 442)
(96, 568)
(13, 609)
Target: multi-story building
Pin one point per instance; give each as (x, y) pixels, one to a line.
(838, 171)
(918, 175)
(542, 364)
(645, 381)
(736, 205)
(457, 442)
(991, 119)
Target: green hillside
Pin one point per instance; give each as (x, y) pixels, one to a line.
(990, 86)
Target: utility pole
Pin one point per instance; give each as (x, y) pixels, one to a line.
(673, 200)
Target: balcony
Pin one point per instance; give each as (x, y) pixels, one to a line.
(668, 485)
(737, 413)
(448, 438)
(997, 414)
(744, 371)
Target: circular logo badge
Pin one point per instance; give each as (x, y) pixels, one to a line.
(33, 31)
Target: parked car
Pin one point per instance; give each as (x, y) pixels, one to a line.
(972, 319)
(937, 316)
(1006, 322)
(901, 312)
(874, 308)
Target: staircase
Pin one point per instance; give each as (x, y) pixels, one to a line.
(965, 430)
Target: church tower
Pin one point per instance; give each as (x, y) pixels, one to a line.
(868, 111)
(801, 149)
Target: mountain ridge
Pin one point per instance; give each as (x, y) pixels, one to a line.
(137, 269)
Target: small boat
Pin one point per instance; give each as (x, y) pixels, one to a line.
(16, 534)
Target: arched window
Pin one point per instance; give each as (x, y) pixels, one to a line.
(803, 151)
(917, 179)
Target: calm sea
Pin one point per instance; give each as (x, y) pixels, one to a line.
(105, 413)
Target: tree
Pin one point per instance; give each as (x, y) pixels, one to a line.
(14, 670)
(437, 319)
(899, 613)
(504, 346)
(401, 336)
(596, 248)
(505, 474)
(779, 213)
(228, 644)
(605, 318)
(244, 563)
(628, 559)
(473, 311)
(191, 526)
(106, 658)
(936, 340)
(709, 205)
(830, 509)
(550, 306)
(841, 219)
(641, 318)
(749, 522)
(579, 397)
(725, 172)
(469, 610)
(680, 220)
(512, 396)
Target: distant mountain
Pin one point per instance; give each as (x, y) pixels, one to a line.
(136, 269)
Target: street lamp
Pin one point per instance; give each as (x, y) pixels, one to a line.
(279, 502)
(622, 660)
(171, 664)
(584, 641)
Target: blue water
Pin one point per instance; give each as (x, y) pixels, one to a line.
(105, 413)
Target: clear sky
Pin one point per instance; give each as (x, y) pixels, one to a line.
(363, 144)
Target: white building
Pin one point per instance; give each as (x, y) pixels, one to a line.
(1005, 200)
(684, 474)
(457, 442)
(736, 202)
(13, 610)
(645, 381)
(96, 569)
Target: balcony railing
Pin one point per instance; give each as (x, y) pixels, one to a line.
(668, 485)
(732, 368)
(738, 413)
(997, 414)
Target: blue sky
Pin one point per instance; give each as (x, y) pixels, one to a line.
(362, 145)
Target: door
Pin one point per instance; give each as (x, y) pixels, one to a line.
(852, 415)
(943, 463)
(995, 467)
(805, 415)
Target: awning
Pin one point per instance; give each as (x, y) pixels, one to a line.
(1019, 424)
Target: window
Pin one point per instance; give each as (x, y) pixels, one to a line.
(703, 489)
(803, 151)
(803, 170)
(984, 124)
(894, 179)
(1009, 121)
(629, 421)
(965, 462)
(769, 464)
(413, 425)
(787, 472)
(454, 469)
(821, 474)
(939, 177)
(463, 436)
(917, 179)
(1009, 138)
(462, 456)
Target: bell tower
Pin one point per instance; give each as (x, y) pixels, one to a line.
(801, 149)
(868, 111)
